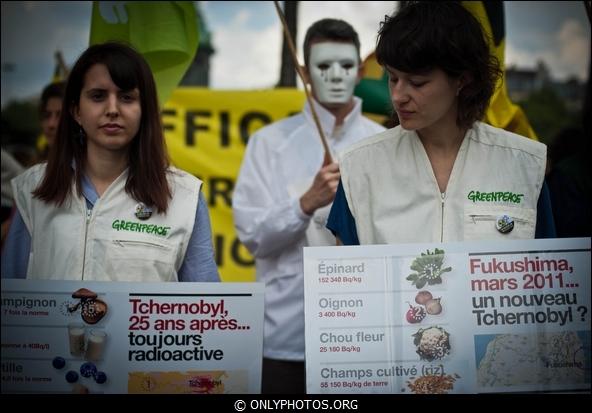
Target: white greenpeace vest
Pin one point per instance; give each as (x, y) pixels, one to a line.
(107, 243)
(394, 197)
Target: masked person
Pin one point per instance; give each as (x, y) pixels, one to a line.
(107, 206)
(442, 175)
(284, 191)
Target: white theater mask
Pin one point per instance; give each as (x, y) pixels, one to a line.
(333, 69)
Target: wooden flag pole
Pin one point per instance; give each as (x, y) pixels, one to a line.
(328, 158)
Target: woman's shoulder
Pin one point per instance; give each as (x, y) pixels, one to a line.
(183, 180)
(33, 174)
(181, 175)
(497, 137)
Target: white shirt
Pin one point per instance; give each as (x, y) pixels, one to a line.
(10, 169)
(280, 163)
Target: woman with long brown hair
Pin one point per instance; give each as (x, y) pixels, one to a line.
(107, 205)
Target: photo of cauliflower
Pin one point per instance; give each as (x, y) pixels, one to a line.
(433, 343)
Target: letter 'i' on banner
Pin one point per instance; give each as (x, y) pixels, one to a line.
(501, 112)
(164, 32)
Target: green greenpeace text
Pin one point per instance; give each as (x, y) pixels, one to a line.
(121, 225)
(495, 197)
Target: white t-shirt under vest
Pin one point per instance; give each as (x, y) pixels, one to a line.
(109, 242)
(394, 197)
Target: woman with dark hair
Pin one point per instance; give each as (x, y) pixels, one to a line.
(107, 206)
(442, 175)
(50, 109)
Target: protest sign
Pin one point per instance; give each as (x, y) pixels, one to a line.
(142, 338)
(467, 317)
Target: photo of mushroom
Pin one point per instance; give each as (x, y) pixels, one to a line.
(92, 310)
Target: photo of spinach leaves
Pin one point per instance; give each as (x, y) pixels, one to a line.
(428, 268)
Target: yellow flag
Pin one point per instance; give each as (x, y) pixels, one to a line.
(501, 112)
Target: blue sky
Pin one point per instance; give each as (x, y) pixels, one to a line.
(247, 38)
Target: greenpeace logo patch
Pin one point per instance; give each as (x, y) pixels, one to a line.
(495, 197)
(121, 225)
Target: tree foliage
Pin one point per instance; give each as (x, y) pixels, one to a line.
(548, 114)
(20, 124)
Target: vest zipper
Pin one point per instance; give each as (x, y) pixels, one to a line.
(443, 194)
(88, 214)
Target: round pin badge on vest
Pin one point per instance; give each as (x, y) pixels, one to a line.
(504, 224)
(143, 212)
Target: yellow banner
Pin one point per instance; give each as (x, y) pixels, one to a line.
(206, 133)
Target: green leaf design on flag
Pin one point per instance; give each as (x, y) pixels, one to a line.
(164, 32)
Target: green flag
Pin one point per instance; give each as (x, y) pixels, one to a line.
(164, 32)
(373, 89)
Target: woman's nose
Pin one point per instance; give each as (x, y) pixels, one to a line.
(112, 106)
(399, 92)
